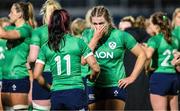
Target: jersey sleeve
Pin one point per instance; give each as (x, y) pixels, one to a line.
(41, 56)
(129, 40)
(87, 35)
(35, 39)
(152, 43)
(86, 51)
(24, 31)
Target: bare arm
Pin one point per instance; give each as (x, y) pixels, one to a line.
(37, 75)
(13, 34)
(98, 34)
(33, 53)
(94, 66)
(139, 65)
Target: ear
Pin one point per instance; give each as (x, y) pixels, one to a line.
(19, 15)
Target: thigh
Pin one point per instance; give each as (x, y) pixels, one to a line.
(6, 99)
(19, 98)
(173, 103)
(159, 102)
(115, 104)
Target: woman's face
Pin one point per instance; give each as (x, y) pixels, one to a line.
(99, 22)
(153, 28)
(14, 15)
(177, 19)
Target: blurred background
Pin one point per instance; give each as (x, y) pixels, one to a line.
(118, 8)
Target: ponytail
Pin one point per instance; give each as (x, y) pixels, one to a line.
(31, 21)
(58, 26)
(166, 29)
(27, 11)
(161, 20)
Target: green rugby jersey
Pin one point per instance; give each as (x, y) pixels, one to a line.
(110, 54)
(2, 55)
(176, 33)
(14, 66)
(40, 37)
(163, 52)
(66, 64)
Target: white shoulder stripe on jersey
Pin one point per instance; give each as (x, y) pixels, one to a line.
(88, 55)
(40, 61)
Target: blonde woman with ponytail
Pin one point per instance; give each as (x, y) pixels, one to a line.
(15, 74)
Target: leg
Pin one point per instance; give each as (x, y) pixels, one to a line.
(19, 101)
(41, 97)
(1, 107)
(115, 104)
(91, 106)
(41, 104)
(173, 103)
(99, 105)
(6, 99)
(158, 102)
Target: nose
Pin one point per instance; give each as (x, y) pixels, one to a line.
(98, 26)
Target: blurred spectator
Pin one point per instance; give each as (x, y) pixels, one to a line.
(78, 26)
(126, 22)
(176, 18)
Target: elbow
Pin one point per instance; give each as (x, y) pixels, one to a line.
(143, 56)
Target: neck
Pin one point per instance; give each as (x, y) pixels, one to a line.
(19, 22)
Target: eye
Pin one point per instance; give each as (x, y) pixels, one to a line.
(94, 23)
(100, 23)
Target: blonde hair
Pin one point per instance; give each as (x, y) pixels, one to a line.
(177, 10)
(44, 10)
(4, 19)
(78, 26)
(87, 17)
(128, 19)
(140, 22)
(99, 11)
(27, 11)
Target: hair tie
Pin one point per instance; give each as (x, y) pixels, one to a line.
(164, 18)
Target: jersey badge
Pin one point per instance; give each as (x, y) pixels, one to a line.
(112, 45)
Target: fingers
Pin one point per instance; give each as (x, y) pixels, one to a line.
(123, 83)
(100, 29)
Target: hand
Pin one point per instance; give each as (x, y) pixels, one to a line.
(176, 59)
(91, 78)
(123, 83)
(100, 31)
(178, 68)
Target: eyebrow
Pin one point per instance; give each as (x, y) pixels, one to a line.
(100, 23)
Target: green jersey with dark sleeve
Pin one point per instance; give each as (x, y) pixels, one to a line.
(110, 54)
(65, 65)
(40, 37)
(164, 53)
(14, 66)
